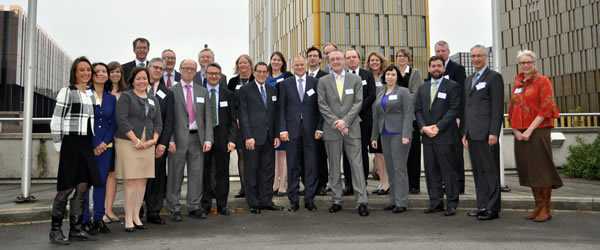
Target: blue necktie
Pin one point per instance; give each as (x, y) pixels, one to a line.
(263, 95)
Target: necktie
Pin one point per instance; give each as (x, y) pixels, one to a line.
(263, 95)
(339, 82)
(169, 80)
(215, 111)
(475, 79)
(141, 65)
(189, 104)
(301, 89)
(434, 89)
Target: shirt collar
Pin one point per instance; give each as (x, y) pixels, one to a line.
(209, 87)
(357, 70)
(335, 75)
(407, 69)
(480, 72)
(313, 72)
(183, 83)
(137, 62)
(303, 77)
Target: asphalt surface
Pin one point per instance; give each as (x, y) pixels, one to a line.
(345, 230)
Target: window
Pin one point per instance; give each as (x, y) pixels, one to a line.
(386, 30)
(357, 27)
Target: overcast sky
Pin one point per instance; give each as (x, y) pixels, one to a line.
(103, 30)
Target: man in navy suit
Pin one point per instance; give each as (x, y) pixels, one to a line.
(299, 123)
(141, 47)
(437, 105)
(170, 75)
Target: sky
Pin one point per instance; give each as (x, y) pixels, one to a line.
(103, 30)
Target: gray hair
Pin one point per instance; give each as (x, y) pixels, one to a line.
(528, 53)
(157, 59)
(442, 43)
(479, 46)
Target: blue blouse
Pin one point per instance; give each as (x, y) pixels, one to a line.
(273, 81)
(384, 101)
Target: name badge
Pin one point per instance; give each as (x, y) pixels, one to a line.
(274, 98)
(161, 94)
(151, 102)
(280, 80)
(310, 92)
(480, 85)
(223, 104)
(518, 90)
(199, 99)
(447, 77)
(393, 97)
(349, 92)
(364, 82)
(441, 95)
(89, 92)
(238, 87)
(378, 84)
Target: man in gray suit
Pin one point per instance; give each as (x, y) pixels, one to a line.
(340, 100)
(193, 135)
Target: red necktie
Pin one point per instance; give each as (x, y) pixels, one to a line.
(168, 79)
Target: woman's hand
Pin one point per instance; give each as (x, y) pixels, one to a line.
(374, 144)
(405, 141)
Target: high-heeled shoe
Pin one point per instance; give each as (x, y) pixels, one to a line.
(130, 229)
(139, 227)
(107, 219)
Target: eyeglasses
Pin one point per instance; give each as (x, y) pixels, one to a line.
(157, 67)
(188, 68)
(526, 62)
(213, 73)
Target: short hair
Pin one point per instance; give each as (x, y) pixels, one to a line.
(121, 85)
(436, 58)
(261, 64)
(349, 50)
(283, 63)
(329, 44)
(298, 56)
(391, 68)
(216, 65)
(442, 43)
(405, 52)
(313, 48)
(384, 61)
(141, 39)
(134, 72)
(206, 50)
(72, 78)
(167, 50)
(156, 59)
(236, 68)
(337, 50)
(528, 53)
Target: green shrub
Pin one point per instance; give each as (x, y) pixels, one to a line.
(584, 160)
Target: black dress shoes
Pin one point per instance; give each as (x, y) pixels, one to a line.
(389, 208)
(335, 208)
(89, 228)
(398, 210)
(254, 210)
(475, 212)
(224, 211)
(198, 214)
(272, 208)
(434, 210)
(414, 191)
(155, 219)
(310, 206)
(294, 207)
(450, 212)
(363, 210)
(240, 195)
(139, 227)
(176, 217)
(488, 215)
(101, 227)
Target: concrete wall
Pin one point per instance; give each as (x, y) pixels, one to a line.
(45, 159)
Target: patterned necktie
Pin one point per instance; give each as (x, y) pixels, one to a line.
(263, 95)
(189, 104)
(169, 80)
(339, 82)
(434, 89)
(301, 89)
(215, 111)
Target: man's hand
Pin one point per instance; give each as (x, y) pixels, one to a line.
(405, 141)
(284, 136)
(492, 140)
(465, 142)
(340, 124)
(172, 147)
(276, 142)
(435, 130)
(250, 144)
(206, 147)
(230, 146)
(159, 151)
(374, 144)
(318, 134)
(345, 131)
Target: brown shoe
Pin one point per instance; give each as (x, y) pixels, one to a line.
(544, 214)
(538, 207)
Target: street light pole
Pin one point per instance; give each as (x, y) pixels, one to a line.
(29, 84)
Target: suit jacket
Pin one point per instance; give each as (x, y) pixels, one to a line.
(292, 111)
(320, 74)
(132, 116)
(369, 94)
(415, 80)
(397, 116)
(484, 105)
(226, 131)
(105, 120)
(165, 99)
(257, 120)
(456, 72)
(127, 68)
(442, 112)
(180, 123)
(177, 77)
(333, 109)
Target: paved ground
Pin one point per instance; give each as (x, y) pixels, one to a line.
(345, 230)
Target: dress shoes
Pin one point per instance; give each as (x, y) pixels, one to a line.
(198, 214)
(475, 212)
(155, 219)
(240, 195)
(335, 208)
(272, 208)
(450, 211)
(389, 208)
(294, 207)
(254, 210)
(363, 210)
(432, 210)
(398, 210)
(488, 215)
(310, 206)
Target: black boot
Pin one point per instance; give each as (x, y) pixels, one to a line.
(56, 235)
(75, 217)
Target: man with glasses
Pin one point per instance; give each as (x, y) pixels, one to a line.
(170, 75)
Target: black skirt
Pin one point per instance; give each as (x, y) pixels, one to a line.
(76, 164)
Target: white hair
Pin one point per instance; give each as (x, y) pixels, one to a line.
(528, 53)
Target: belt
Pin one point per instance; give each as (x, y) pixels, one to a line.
(194, 131)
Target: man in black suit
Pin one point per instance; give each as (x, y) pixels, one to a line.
(484, 113)
(299, 120)
(257, 102)
(366, 114)
(314, 56)
(206, 57)
(170, 75)
(156, 187)
(141, 47)
(216, 161)
(437, 104)
(454, 72)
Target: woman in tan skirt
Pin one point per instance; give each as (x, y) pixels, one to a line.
(139, 123)
(532, 112)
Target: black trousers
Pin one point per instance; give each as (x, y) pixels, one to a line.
(156, 188)
(440, 167)
(259, 170)
(216, 177)
(414, 161)
(365, 135)
(486, 173)
(301, 161)
(323, 171)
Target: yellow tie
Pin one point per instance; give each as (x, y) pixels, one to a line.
(339, 82)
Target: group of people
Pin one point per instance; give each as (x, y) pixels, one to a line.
(149, 125)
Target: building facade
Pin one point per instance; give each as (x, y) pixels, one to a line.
(565, 34)
(292, 26)
(464, 59)
(51, 65)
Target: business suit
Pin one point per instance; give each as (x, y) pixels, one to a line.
(156, 188)
(440, 151)
(393, 123)
(484, 113)
(456, 72)
(200, 78)
(321, 160)
(234, 85)
(257, 121)
(189, 144)
(346, 109)
(216, 161)
(366, 116)
(176, 78)
(128, 67)
(299, 116)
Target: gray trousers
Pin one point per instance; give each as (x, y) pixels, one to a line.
(194, 157)
(396, 156)
(352, 147)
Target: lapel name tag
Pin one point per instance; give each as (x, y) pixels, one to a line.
(393, 97)
(199, 99)
(274, 98)
(349, 92)
(310, 92)
(480, 85)
(518, 90)
(238, 87)
(441, 95)
(280, 80)
(151, 102)
(223, 104)
(161, 94)
(364, 82)
(378, 84)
